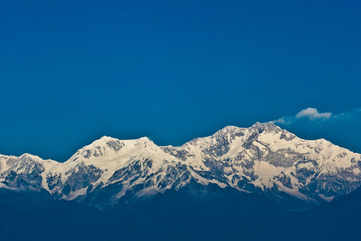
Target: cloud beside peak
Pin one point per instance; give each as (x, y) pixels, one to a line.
(342, 128)
(309, 113)
(313, 113)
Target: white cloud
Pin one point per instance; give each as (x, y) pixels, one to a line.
(312, 113)
(309, 113)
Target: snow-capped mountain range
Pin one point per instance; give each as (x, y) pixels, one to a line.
(260, 159)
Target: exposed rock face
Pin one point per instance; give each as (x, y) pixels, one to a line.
(260, 159)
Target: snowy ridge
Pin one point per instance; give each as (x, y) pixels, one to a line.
(261, 158)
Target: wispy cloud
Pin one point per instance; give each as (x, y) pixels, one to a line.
(313, 114)
(343, 128)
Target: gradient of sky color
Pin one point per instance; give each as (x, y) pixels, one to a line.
(72, 71)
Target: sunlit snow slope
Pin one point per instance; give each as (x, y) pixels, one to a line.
(260, 159)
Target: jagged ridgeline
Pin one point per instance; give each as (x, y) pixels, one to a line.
(262, 160)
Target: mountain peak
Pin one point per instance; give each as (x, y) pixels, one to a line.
(106, 139)
(260, 158)
(144, 139)
(102, 140)
(228, 129)
(270, 126)
(30, 156)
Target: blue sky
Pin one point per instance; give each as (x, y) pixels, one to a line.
(72, 71)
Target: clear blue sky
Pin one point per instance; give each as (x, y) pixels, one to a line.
(72, 71)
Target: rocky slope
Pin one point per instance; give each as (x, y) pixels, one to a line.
(262, 159)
